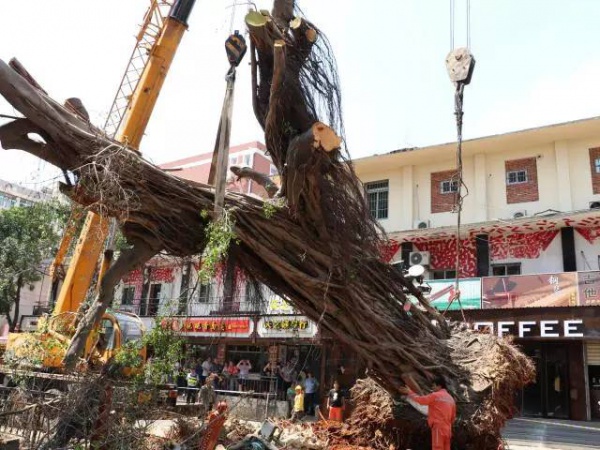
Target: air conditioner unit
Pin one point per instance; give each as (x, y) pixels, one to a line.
(519, 214)
(595, 205)
(421, 224)
(419, 258)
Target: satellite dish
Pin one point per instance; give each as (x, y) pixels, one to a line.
(416, 271)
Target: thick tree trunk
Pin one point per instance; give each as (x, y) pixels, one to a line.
(283, 10)
(127, 261)
(17, 305)
(321, 250)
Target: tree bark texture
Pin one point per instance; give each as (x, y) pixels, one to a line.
(320, 249)
(17, 305)
(127, 261)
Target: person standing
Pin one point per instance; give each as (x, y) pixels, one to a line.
(208, 396)
(290, 393)
(192, 387)
(311, 385)
(335, 403)
(207, 368)
(298, 404)
(244, 367)
(231, 371)
(441, 415)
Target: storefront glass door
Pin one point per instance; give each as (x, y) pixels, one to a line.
(548, 396)
(557, 389)
(532, 393)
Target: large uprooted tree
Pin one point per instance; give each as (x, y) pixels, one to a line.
(318, 246)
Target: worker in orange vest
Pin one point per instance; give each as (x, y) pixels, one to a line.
(441, 414)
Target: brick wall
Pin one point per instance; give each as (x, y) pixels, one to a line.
(522, 192)
(595, 154)
(441, 202)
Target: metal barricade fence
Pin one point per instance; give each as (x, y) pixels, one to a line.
(248, 398)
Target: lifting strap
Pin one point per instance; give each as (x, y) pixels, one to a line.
(235, 46)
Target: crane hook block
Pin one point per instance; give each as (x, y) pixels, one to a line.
(460, 64)
(235, 46)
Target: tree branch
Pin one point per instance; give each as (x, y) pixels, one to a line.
(257, 177)
(127, 261)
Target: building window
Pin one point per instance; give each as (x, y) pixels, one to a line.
(233, 160)
(7, 201)
(444, 274)
(500, 270)
(204, 293)
(597, 165)
(449, 186)
(128, 294)
(516, 177)
(272, 170)
(248, 160)
(377, 196)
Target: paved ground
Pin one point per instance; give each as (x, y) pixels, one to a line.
(525, 434)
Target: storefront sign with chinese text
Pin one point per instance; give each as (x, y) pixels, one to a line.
(589, 288)
(529, 291)
(286, 326)
(207, 327)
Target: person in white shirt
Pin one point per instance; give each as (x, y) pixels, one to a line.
(245, 367)
(207, 368)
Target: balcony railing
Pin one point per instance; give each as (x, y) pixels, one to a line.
(213, 306)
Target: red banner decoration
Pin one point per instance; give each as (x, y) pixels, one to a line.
(589, 234)
(209, 325)
(520, 245)
(157, 275)
(389, 249)
(443, 255)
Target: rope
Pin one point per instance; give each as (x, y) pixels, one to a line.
(468, 24)
(231, 19)
(451, 25)
(458, 112)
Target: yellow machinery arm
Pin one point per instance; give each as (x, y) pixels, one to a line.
(156, 46)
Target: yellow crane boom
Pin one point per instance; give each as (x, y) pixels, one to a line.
(156, 46)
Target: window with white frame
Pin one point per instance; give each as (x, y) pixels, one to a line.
(597, 165)
(248, 160)
(449, 186)
(500, 270)
(272, 170)
(516, 177)
(377, 197)
(232, 160)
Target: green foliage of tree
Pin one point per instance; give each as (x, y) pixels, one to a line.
(165, 347)
(28, 236)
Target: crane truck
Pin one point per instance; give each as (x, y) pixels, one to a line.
(160, 34)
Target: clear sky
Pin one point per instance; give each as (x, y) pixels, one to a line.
(538, 62)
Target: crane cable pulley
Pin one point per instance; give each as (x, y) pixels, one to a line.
(460, 64)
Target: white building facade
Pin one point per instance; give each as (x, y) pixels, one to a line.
(529, 248)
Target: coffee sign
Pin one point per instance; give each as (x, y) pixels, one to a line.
(571, 328)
